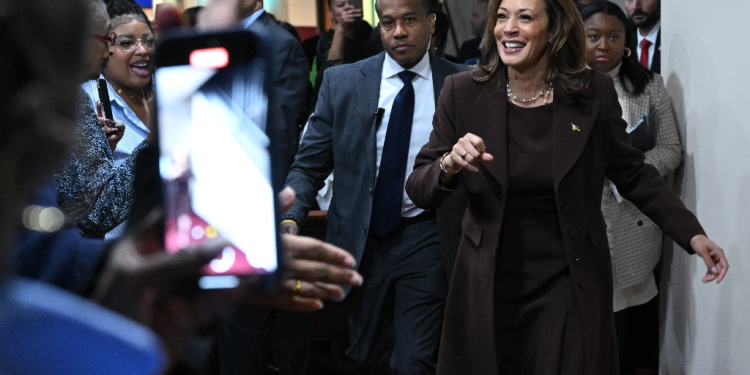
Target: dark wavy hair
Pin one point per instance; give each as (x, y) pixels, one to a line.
(118, 8)
(631, 70)
(566, 49)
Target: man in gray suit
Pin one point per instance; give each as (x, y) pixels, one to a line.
(356, 130)
(251, 337)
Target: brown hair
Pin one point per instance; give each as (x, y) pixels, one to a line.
(567, 48)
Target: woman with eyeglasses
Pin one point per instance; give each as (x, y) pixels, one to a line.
(95, 187)
(129, 77)
(129, 72)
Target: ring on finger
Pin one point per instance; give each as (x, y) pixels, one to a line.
(463, 154)
(297, 285)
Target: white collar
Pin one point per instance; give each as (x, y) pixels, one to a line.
(392, 68)
(652, 35)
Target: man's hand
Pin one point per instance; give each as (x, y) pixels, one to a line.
(314, 272)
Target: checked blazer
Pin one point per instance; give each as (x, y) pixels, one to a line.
(635, 240)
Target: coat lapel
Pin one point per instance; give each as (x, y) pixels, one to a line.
(368, 93)
(636, 106)
(487, 117)
(571, 130)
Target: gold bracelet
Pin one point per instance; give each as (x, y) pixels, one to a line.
(442, 166)
(288, 221)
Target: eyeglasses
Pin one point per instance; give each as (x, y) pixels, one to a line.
(129, 43)
(109, 38)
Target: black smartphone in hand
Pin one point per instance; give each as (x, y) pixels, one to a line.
(215, 152)
(101, 86)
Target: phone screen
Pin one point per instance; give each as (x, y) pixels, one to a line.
(214, 156)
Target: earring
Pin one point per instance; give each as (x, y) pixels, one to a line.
(627, 53)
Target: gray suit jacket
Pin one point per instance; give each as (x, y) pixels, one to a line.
(341, 136)
(289, 73)
(635, 241)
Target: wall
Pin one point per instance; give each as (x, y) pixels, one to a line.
(706, 328)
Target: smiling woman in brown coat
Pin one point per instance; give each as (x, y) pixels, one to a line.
(533, 135)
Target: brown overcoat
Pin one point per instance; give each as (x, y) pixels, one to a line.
(589, 144)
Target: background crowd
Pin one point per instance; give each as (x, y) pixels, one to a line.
(369, 99)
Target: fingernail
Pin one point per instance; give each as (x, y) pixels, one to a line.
(320, 305)
(356, 279)
(350, 262)
(714, 270)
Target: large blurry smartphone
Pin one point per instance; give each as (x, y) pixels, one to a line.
(215, 160)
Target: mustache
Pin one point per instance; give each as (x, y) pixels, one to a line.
(639, 13)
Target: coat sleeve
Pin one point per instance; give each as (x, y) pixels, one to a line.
(62, 258)
(314, 160)
(667, 152)
(641, 183)
(95, 193)
(423, 185)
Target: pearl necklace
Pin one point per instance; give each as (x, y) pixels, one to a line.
(545, 92)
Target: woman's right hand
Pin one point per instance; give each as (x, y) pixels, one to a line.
(112, 129)
(466, 153)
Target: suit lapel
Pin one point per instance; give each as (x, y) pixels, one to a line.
(571, 130)
(368, 93)
(487, 117)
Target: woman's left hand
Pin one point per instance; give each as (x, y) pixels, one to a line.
(713, 256)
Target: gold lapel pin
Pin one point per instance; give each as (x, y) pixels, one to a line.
(575, 128)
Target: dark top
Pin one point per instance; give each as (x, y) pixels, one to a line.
(537, 324)
(523, 268)
(354, 49)
(470, 50)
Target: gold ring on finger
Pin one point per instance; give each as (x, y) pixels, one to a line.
(297, 285)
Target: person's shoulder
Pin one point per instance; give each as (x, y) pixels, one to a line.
(656, 82)
(372, 63)
(597, 78)
(269, 30)
(464, 84)
(446, 65)
(598, 83)
(472, 43)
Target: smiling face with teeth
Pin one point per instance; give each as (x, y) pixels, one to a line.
(522, 35)
(131, 70)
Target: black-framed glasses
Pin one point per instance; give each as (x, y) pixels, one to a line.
(109, 38)
(129, 43)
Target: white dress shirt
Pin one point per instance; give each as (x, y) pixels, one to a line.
(652, 36)
(424, 109)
